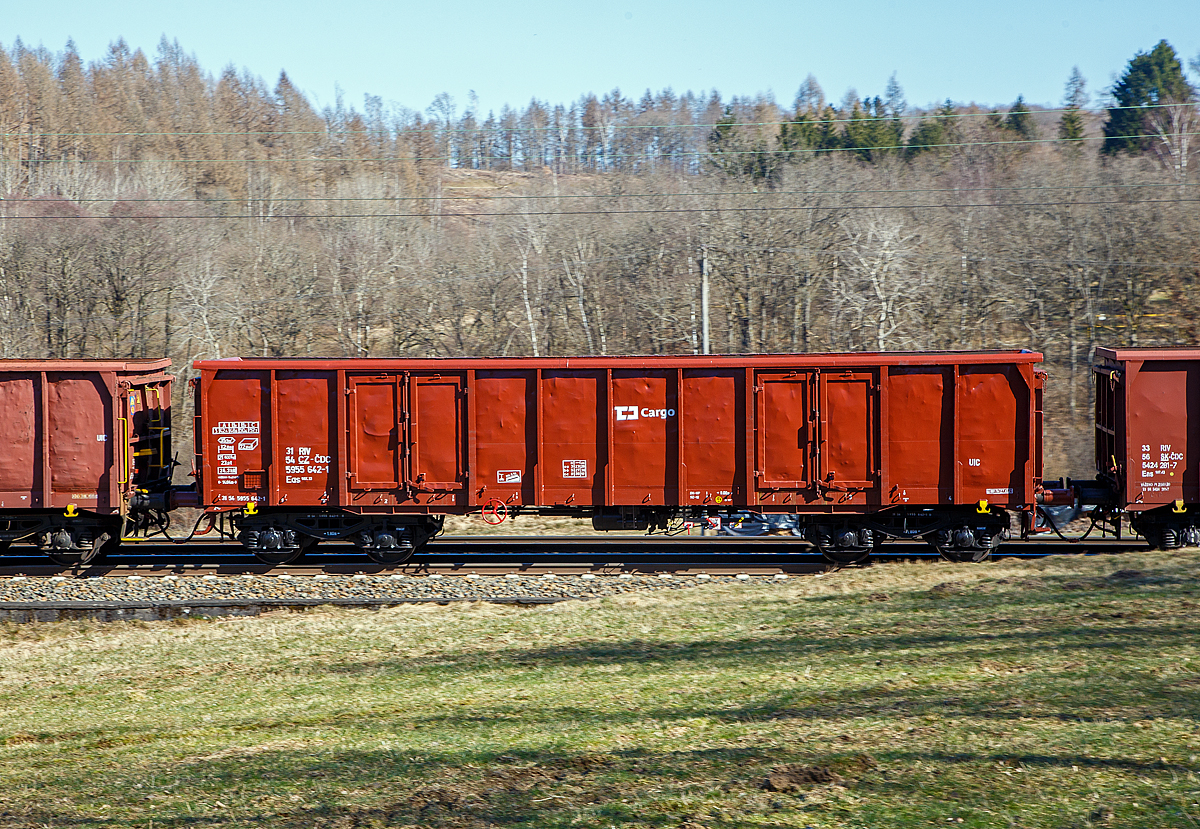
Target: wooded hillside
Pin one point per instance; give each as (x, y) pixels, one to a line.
(150, 208)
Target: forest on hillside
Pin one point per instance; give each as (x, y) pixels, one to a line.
(151, 208)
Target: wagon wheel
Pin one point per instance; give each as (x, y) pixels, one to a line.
(960, 556)
(66, 558)
(389, 557)
(844, 556)
(105, 542)
(277, 557)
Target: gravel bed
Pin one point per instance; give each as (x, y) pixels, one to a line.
(334, 588)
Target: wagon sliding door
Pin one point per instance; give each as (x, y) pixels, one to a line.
(785, 432)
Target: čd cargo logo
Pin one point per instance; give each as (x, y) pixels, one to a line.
(645, 413)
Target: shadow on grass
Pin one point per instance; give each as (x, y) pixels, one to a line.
(543, 789)
(1095, 689)
(505, 787)
(1005, 619)
(452, 789)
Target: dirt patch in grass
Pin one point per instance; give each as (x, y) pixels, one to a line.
(796, 778)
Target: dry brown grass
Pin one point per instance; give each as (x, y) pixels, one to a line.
(1061, 692)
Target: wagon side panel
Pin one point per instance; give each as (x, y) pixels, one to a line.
(236, 439)
(712, 426)
(505, 416)
(920, 420)
(82, 463)
(573, 446)
(645, 437)
(304, 468)
(994, 417)
(1162, 463)
(21, 436)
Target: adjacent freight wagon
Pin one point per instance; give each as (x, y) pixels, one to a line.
(82, 440)
(1147, 401)
(860, 447)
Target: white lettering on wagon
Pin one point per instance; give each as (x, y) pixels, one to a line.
(301, 463)
(644, 413)
(575, 469)
(1158, 471)
(236, 427)
(228, 447)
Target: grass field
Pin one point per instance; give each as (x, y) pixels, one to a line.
(1059, 692)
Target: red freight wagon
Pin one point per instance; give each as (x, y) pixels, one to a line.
(861, 447)
(81, 439)
(1146, 402)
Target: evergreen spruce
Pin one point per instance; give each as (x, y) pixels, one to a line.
(1070, 125)
(1019, 121)
(933, 134)
(1152, 78)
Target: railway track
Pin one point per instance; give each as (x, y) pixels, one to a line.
(500, 555)
(155, 581)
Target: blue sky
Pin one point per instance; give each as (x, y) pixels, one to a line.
(555, 50)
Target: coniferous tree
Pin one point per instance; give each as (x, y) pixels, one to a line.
(741, 151)
(810, 98)
(1152, 78)
(933, 133)
(894, 96)
(869, 132)
(1019, 121)
(1070, 124)
(828, 137)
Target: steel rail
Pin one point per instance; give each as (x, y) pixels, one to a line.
(501, 555)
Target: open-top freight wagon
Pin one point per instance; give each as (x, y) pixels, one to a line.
(860, 447)
(81, 443)
(1147, 459)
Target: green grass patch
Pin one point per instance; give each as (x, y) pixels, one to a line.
(1059, 692)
